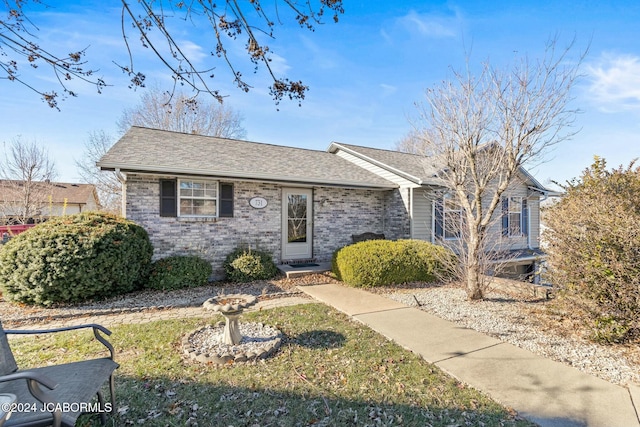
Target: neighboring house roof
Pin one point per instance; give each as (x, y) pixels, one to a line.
(72, 193)
(60, 192)
(165, 152)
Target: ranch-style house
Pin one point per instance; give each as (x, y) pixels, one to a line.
(207, 196)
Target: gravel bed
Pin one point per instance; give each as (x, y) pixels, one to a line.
(258, 341)
(520, 320)
(15, 314)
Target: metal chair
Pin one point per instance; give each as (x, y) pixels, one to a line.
(57, 395)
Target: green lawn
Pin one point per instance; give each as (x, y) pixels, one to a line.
(330, 371)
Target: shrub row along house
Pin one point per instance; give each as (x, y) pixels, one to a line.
(208, 195)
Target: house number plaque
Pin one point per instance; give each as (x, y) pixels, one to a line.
(258, 202)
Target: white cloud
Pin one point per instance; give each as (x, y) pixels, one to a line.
(614, 83)
(278, 64)
(388, 89)
(430, 25)
(193, 51)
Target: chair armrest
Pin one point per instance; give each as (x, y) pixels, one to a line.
(96, 332)
(30, 376)
(34, 380)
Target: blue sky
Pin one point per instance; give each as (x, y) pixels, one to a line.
(365, 74)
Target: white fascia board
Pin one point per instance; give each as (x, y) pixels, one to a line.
(335, 147)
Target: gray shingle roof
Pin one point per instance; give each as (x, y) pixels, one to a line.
(159, 151)
(417, 168)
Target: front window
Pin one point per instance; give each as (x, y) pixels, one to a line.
(198, 198)
(452, 217)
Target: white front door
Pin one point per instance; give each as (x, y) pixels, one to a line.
(297, 223)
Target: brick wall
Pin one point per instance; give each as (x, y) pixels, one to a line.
(338, 213)
(396, 218)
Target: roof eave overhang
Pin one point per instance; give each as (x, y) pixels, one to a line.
(292, 180)
(535, 184)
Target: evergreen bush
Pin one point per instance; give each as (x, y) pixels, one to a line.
(246, 265)
(75, 258)
(386, 262)
(179, 271)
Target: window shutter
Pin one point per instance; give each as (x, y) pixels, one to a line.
(525, 217)
(438, 223)
(505, 216)
(226, 200)
(168, 198)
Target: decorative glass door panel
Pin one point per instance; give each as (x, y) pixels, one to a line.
(297, 218)
(296, 223)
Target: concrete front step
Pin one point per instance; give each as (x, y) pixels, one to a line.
(297, 270)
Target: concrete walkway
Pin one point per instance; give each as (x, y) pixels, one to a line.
(541, 390)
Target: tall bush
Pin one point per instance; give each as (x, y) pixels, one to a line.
(75, 258)
(594, 249)
(386, 262)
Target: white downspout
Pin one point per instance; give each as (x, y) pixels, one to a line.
(123, 180)
(529, 223)
(411, 213)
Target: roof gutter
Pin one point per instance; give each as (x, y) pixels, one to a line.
(120, 176)
(119, 168)
(522, 260)
(546, 193)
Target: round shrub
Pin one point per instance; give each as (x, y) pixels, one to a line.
(387, 262)
(246, 265)
(75, 258)
(179, 271)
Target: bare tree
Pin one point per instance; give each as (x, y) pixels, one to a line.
(160, 110)
(180, 113)
(152, 23)
(483, 129)
(417, 141)
(107, 184)
(27, 173)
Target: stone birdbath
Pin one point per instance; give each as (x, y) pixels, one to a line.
(231, 307)
(231, 342)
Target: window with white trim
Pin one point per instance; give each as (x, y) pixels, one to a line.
(197, 198)
(514, 216)
(451, 217)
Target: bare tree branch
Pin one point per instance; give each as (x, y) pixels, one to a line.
(159, 110)
(107, 184)
(26, 172)
(227, 20)
(178, 112)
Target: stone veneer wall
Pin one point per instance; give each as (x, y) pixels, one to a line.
(338, 213)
